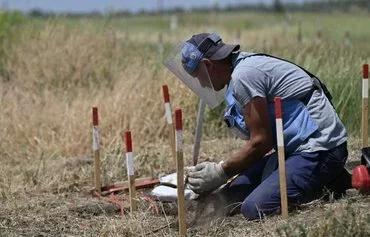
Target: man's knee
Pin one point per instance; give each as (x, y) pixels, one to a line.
(263, 201)
(256, 208)
(250, 210)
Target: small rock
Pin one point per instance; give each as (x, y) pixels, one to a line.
(352, 192)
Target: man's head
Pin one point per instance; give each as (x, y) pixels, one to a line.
(206, 54)
(203, 64)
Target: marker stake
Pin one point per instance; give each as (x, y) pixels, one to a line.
(160, 43)
(170, 127)
(365, 104)
(198, 131)
(180, 173)
(281, 155)
(130, 170)
(96, 149)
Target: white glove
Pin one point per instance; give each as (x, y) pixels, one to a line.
(206, 177)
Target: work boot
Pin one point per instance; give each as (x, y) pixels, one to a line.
(341, 183)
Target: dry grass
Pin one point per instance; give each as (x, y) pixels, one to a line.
(59, 203)
(57, 75)
(54, 74)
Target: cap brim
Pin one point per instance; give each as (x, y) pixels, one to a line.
(225, 51)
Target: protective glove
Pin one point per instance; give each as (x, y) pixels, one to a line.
(206, 177)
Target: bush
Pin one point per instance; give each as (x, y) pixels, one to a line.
(8, 20)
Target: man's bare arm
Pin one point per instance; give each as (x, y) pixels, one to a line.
(260, 142)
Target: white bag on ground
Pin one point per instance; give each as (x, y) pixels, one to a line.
(168, 191)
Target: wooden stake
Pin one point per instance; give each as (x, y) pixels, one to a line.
(173, 23)
(237, 36)
(299, 35)
(281, 155)
(318, 35)
(365, 105)
(160, 38)
(347, 38)
(96, 148)
(130, 170)
(171, 129)
(160, 43)
(180, 173)
(198, 131)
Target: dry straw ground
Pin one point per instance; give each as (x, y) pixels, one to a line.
(54, 71)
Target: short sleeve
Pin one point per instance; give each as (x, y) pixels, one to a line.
(248, 82)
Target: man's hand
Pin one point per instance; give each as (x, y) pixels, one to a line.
(206, 177)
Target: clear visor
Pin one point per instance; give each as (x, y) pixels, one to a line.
(197, 78)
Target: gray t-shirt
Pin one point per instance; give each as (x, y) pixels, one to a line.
(268, 77)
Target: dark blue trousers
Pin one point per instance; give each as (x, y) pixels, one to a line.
(258, 188)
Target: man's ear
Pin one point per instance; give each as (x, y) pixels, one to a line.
(208, 63)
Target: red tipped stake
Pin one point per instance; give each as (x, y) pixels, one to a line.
(365, 105)
(168, 114)
(95, 116)
(166, 95)
(180, 173)
(128, 141)
(178, 118)
(277, 101)
(281, 157)
(130, 170)
(365, 71)
(96, 141)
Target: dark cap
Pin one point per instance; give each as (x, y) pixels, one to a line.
(217, 51)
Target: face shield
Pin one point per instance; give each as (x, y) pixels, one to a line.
(186, 63)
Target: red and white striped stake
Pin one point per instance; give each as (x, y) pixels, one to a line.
(130, 169)
(168, 112)
(365, 104)
(180, 173)
(281, 155)
(96, 149)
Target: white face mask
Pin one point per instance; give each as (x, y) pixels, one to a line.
(194, 73)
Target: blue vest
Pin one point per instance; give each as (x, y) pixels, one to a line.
(297, 122)
(233, 116)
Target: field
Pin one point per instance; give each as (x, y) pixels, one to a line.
(52, 71)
